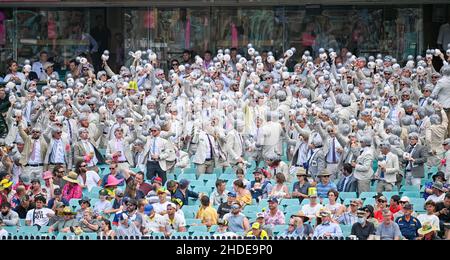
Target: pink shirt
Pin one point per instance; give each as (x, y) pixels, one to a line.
(72, 192)
(277, 219)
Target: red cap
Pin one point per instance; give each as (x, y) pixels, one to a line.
(157, 179)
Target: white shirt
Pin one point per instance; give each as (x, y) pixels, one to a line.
(92, 179)
(57, 152)
(153, 224)
(172, 225)
(432, 219)
(39, 69)
(158, 207)
(35, 152)
(101, 206)
(154, 147)
(311, 211)
(329, 157)
(302, 154)
(89, 148)
(40, 216)
(119, 147)
(435, 198)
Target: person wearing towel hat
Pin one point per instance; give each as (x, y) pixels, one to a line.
(327, 228)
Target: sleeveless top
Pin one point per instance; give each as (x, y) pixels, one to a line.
(235, 223)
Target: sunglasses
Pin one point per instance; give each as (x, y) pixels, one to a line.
(175, 64)
(426, 90)
(153, 131)
(83, 165)
(112, 168)
(35, 132)
(381, 201)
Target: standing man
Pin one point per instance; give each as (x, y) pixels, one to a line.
(38, 66)
(235, 144)
(158, 153)
(363, 165)
(445, 161)
(86, 151)
(58, 152)
(387, 170)
(207, 153)
(441, 92)
(34, 151)
(118, 149)
(414, 160)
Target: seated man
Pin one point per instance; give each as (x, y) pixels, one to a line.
(327, 228)
(66, 224)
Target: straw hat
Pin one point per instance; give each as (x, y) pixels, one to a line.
(71, 177)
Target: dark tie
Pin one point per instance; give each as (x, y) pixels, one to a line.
(70, 128)
(334, 151)
(341, 185)
(210, 146)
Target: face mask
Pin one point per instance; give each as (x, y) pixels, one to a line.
(361, 220)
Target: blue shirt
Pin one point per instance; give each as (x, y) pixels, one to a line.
(323, 189)
(52, 201)
(179, 195)
(332, 228)
(409, 228)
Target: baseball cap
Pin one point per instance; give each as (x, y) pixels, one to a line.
(382, 198)
(259, 215)
(408, 206)
(103, 192)
(157, 179)
(119, 193)
(222, 222)
(184, 183)
(57, 191)
(404, 199)
(232, 194)
(255, 225)
(160, 191)
(273, 200)
(235, 206)
(148, 208)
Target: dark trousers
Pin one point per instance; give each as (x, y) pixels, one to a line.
(153, 170)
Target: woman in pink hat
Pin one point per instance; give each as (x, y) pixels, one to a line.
(111, 185)
(49, 186)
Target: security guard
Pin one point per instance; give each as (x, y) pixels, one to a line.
(408, 224)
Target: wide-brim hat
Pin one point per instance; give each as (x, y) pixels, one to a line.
(324, 173)
(438, 185)
(301, 172)
(112, 181)
(5, 183)
(302, 215)
(68, 211)
(323, 213)
(72, 177)
(427, 228)
(439, 174)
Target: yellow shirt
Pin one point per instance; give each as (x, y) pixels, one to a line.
(207, 214)
(246, 199)
(263, 234)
